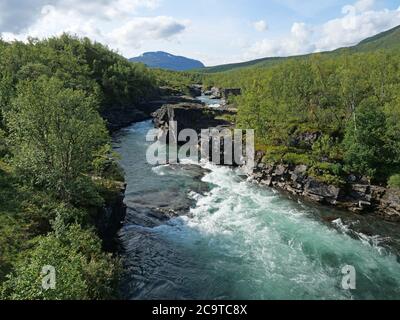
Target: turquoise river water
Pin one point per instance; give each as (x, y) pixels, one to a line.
(207, 232)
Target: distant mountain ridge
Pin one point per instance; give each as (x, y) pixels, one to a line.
(165, 60)
(389, 39)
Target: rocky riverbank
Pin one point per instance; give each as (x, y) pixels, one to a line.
(356, 196)
(120, 118)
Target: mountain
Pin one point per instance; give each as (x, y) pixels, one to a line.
(386, 40)
(167, 61)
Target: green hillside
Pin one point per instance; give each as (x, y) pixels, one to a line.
(386, 40)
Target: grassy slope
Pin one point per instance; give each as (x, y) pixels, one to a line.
(387, 40)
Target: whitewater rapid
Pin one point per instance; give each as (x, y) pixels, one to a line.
(238, 240)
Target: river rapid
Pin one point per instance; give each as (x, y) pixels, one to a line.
(207, 232)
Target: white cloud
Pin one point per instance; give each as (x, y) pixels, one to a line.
(300, 31)
(53, 21)
(17, 16)
(358, 7)
(131, 26)
(352, 28)
(261, 25)
(113, 22)
(299, 42)
(139, 29)
(359, 21)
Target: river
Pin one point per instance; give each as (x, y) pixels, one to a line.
(206, 232)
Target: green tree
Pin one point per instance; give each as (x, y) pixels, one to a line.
(54, 133)
(365, 149)
(83, 272)
(392, 112)
(394, 181)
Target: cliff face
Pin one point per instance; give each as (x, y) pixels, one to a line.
(357, 196)
(110, 218)
(120, 118)
(190, 116)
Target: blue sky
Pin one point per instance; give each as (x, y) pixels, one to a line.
(214, 31)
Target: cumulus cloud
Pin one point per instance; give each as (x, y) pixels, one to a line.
(17, 15)
(53, 21)
(359, 21)
(298, 42)
(114, 22)
(261, 25)
(358, 7)
(137, 30)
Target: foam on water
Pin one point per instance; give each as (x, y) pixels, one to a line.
(276, 248)
(242, 241)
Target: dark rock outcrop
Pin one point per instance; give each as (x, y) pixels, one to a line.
(231, 92)
(195, 90)
(189, 116)
(221, 93)
(197, 117)
(357, 196)
(118, 118)
(305, 139)
(213, 93)
(388, 203)
(110, 218)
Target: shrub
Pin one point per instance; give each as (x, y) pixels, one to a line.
(329, 173)
(297, 159)
(65, 216)
(326, 167)
(2, 143)
(105, 164)
(83, 272)
(394, 181)
(54, 133)
(365, 149)
(274, 153)
(327, 148)
(327, 178)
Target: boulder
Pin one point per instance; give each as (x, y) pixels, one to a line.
(215, 93)
(118, 118)
(305, 139)
(299, 174)
(195, 90)
(390, 205)
(280, 170)
(226, 93)
(360, 192)
(301, 169)
(321, 191)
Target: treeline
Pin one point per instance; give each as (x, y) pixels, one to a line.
(178, 80)
(340, 115)
(57, 169)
